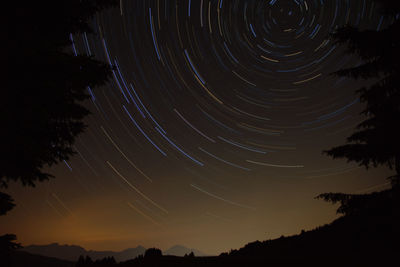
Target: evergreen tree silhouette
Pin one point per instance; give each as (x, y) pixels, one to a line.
(7, 245)
(152, 253)
(41, 106)
(377, 139)
(6, 203)
(88, 261)
(81, 261)
(107, 261)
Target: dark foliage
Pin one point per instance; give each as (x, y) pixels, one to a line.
(376, 140)
(41, 106)
(191, 254)
(87, 261)
(351, 204)
(8, 244)
(152, 253)
(6, 203)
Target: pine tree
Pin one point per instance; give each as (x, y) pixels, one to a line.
(41, 108)
(80, 262)
(152, 253)
(88, 260)
(377, 139)
(41, 105)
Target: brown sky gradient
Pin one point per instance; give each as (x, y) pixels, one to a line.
(211, 129)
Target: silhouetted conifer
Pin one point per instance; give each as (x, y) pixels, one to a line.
(41, 109)
(6, 203)
(377, 139)
(152, 253)
(8, 244)
(88, 260)
(81, 261)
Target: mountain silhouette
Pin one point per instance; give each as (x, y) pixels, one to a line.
(64, 252)
(179, 250)
(367, 234)
(72, 252)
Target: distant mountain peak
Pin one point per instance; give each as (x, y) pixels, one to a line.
(180, 250)
(72, 252)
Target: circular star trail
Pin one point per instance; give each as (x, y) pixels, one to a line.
(225, 84)
(213, 107)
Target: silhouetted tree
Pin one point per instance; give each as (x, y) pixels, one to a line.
(377, 139)
(41, 109)
(81, 261)
(152, 253)
(88, 260)
(111, 260)
(6, 203)
(106, 261)
(8, 244)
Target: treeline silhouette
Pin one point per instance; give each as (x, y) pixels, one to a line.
(87, 261)
(42, 114)
(366, 235)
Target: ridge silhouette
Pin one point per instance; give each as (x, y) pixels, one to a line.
(368, 232)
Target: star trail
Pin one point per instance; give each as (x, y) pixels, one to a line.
(213, 107)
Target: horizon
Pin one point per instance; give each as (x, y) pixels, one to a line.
(110, 250)
(210, 131)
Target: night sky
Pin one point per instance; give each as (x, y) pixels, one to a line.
(211, 131)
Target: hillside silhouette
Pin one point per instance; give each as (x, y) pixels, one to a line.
(367, 235)
(21, 258)
(72, 253)
(43, 113)
(179, 250)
